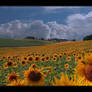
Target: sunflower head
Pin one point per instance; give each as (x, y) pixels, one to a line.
(23, 63)
(55, 55)
(34, 66)
(47, 58)
(68, 58)
(9, 64)
(66, 66)
(88, 72)
(30, 58)
(12, 77)
(60, 55)
(43, 59)
(54, 58)
(25, 58)
(15, 64)
(5, 66)
(34, 77)
(37, 58)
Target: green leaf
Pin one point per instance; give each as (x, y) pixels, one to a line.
(45, 70)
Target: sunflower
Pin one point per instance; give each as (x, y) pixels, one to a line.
(25, 58)
(30, 58)
(4, 57)
(84, 70)
(90, 51)
(37, 58)
(23, 62)
(64, 81)
(34, 77)
(17, 83)
(8, 57)
(66, 66)
(88, 72)
(60, 55)
(76, 81)
(15, 64)
(12, 77)
(8, 64)
(47, 58)
(43, 55)
(54, 58)
(55, 55)
(68, 58)
(34, 66)
(43, 59)
(5, 66)
(18, 58)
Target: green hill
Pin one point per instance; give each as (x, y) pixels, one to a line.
(22, 42)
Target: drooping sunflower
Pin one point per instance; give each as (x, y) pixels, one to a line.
(18, 83)
(34, 77)
(12, 77)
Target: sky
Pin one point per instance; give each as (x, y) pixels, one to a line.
(62, 22)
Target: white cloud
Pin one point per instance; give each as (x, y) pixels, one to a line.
(38, 29)
(52, 8)
(78, 26)
(17, 29)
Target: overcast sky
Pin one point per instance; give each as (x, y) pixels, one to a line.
(66, 22)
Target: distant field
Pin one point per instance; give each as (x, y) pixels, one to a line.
(22, 42)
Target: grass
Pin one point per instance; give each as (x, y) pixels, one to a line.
(22, 42)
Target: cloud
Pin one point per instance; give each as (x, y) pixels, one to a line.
(38, 29)
(17, 29)
(77, 26)
(58, 30)
(53, 8)
(80, 25)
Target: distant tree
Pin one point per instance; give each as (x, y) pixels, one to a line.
(88, 37)
(73, 40)
(29, 37)
(41, 38)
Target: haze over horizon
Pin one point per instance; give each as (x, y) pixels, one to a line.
(66, 22)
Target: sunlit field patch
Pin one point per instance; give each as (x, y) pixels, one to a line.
(58, 64)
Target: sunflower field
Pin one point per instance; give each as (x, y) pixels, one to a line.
(56, 64)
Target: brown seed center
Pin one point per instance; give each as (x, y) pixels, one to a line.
(13, 78)
(9, 63)
(34, 76)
